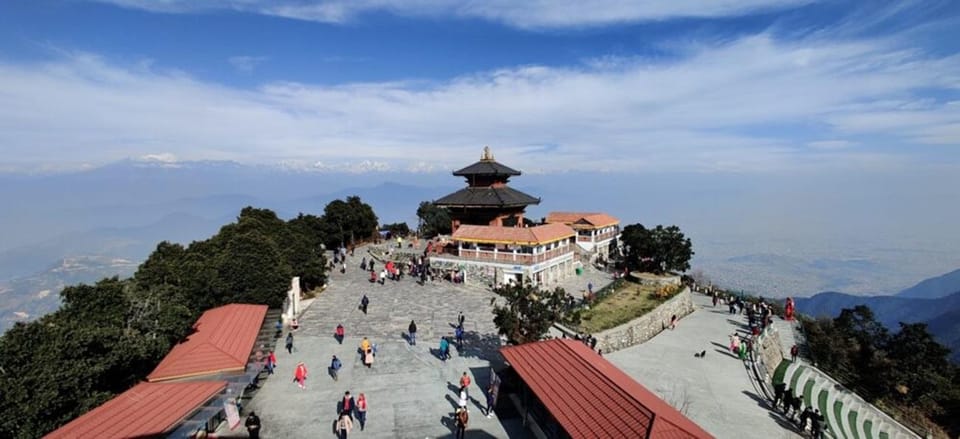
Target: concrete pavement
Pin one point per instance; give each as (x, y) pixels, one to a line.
(716, 391)
(410, 392)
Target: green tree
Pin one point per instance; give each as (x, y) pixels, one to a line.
(529, 312)
(252, 270)
(434, 220)
(657, 250)
(397, 229)
(347, 222)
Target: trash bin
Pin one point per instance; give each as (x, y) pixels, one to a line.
(579, 271)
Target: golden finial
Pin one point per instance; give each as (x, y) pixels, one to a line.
(487, 155)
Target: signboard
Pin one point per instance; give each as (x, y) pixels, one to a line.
(233, 416)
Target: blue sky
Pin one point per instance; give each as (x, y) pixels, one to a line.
(753, 86)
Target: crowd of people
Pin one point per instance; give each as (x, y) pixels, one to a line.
(352, 412)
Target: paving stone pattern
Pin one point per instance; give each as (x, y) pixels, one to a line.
(411, 393)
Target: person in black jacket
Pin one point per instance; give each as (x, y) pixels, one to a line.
(412, 333)
(253, 425)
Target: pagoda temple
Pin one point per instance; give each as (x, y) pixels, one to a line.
(487, 200)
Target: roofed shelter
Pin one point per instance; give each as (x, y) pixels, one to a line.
(146, 410)
(221, 344)
(566, 390)
(487, 200)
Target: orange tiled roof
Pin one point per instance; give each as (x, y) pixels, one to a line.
(146, 410)
(592, 219)
(590, 397)
(513, 235)
(222, 341)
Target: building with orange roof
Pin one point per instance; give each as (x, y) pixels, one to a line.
(563, 389)
(597, 232)
(541, 254)
(491, 235)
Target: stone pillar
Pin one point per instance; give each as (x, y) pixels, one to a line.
(292, 308)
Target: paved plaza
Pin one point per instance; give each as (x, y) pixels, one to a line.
(412, 394)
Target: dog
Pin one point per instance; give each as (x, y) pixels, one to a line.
(700, 354)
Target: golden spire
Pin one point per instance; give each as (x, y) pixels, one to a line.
(487, 155)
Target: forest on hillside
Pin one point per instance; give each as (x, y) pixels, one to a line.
(907, 372)
(108, 336)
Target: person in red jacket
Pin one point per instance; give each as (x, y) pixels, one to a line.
(339, 334)
(300, 375)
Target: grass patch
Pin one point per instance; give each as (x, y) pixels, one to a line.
(618, 307)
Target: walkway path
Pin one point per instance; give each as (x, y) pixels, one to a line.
(716, 391)
(410, 392)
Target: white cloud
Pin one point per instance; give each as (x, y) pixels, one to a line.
(164, 157)
(754, 104)
(524, 14)
(246, 63)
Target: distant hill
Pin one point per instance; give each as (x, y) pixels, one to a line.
(30, 297)
(927, 302)
(935, 287)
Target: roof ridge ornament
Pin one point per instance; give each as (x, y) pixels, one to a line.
(487, 155)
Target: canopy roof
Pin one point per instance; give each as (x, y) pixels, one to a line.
(222, 341)
(146, 410)
(590, 397)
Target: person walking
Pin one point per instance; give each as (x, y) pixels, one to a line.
(335, 366)
(300, 375)
(464, 381)
(490, 401)
(271, 362)
(463, 417)
(794, 353)
(347, 404)
(364, 302)
(344, 425)
(460, 318)
(362, 410)
(253, 425)
(444, 348)
(289, 343)
(412, 332)
(459, 334)
(339, 333)
(463, 397)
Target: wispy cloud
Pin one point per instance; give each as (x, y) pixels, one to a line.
(246, 63)
(524, 14)
(753, 104)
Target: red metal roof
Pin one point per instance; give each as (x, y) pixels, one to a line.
(592, 398)
(146, 410)
(513, 235)
(222, 341)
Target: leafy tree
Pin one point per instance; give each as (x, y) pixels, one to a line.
(434, 220)
(347, 222)
(397, 229)
(657, 250)
(252, 270)
(529, 312)
(162, 267)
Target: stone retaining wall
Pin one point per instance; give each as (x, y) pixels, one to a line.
(771, 353)
(643, 328)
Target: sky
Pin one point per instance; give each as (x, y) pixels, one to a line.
(702, 86)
